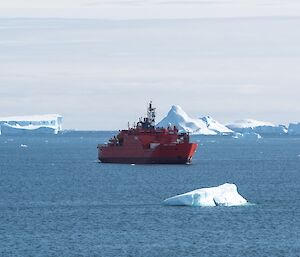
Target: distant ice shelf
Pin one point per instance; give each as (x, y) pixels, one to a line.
(223, 195)
(35, 124)
(255, 126)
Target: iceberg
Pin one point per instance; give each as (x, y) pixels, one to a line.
(203, 126)
(223, 195)
(294, 129)
(247, 135)
(36, 124)
(260, 127)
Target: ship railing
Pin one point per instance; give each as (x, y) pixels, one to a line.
(102, 145)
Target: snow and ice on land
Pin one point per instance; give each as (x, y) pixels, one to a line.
(35, 124)
(223, 195)
(203, 126)
(241, 129)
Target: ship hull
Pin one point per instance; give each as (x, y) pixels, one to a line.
(164, 154)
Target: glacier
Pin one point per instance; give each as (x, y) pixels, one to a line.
(34, 124)
(255, 126)
(203, 126)
(223, 195)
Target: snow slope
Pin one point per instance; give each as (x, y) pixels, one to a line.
(251, 125)
(215, 125)
(50, 123)
(223, 195)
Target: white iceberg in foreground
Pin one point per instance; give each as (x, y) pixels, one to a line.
(36, 124)
(223, 195)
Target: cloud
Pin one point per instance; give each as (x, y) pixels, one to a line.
(109, 69)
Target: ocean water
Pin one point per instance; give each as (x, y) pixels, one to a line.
(57, 200)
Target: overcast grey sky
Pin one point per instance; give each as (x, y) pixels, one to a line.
(99, 71)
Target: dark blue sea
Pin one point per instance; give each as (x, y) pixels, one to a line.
(57, 200)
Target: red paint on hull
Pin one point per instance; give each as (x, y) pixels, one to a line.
(164, 154)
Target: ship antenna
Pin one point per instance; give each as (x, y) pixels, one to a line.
(151, 115)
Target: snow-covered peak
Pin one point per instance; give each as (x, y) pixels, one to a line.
(203, 126)
(215, 125)
(179, 118)
(176, 108)
(178, 111)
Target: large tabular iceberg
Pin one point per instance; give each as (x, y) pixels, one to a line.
(204, 126)
(261, 127)
(36, 124)
(223, 195)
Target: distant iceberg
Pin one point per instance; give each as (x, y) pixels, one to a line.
(223, 195)
(294, 129)
(260, 127)
(203, 126)
(247, 136)
(36, 124)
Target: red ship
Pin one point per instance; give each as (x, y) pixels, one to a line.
(145, 143)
